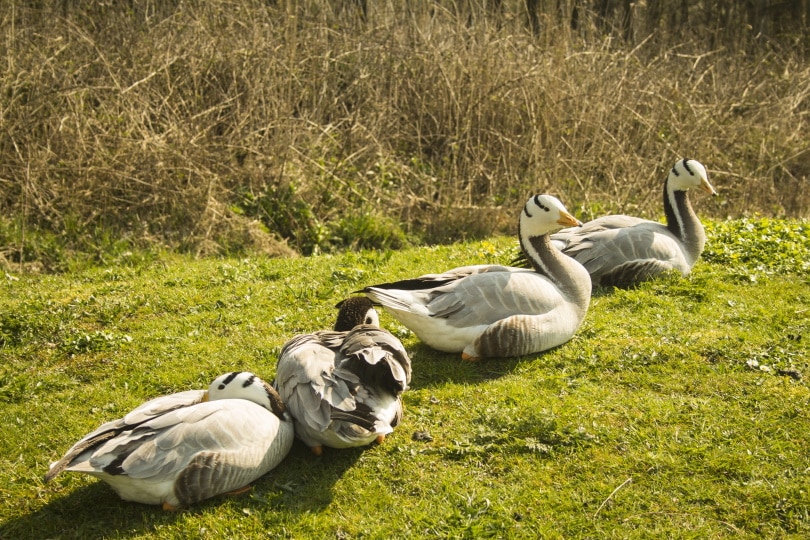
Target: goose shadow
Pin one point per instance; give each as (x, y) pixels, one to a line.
(432, 368)
(301, 483)
(89, 511)
(305, 483)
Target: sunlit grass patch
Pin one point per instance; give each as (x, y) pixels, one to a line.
(679, 409)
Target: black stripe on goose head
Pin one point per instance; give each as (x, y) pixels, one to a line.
(686, 166)
(228, 379)
(541, 205)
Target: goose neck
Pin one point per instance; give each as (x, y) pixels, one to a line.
(569, 276)
(683, 222)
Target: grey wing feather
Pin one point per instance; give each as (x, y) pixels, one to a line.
(614, 248)
(508, 292)
(306, 381)
(374, 345)
(110, 430)
(161, 405)
(218, 427)
(261, 442)
(458, 296)
(334, 380)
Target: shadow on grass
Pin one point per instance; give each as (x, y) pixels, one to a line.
(302, 483)
(433, 369)
(91, 511)
(308, 481)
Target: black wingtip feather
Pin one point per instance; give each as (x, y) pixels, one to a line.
(415, 284)
(362, 416)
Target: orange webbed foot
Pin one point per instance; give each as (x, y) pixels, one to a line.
(239, 491)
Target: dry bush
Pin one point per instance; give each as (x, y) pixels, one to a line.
(187, 124)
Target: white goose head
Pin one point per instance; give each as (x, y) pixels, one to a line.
(245, 385)
(544, 214)
(687, 174)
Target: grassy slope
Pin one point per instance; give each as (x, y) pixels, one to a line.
(665, 416)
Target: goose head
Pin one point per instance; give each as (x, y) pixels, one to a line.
(544, 214)
(246, 385)
(688, 173)
(355, 310)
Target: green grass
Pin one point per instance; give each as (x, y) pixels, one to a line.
(678, 410)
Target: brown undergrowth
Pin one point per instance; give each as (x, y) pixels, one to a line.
(298, 127)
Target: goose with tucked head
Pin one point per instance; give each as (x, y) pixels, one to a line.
(623, 251)
(498, 311)
(179, 449)
(343, 387)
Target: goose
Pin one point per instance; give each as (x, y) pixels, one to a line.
(498, 311)
(353, 311)
(622, 251)
(343, 387)
(179, 449)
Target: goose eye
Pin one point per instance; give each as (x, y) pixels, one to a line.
(368, 320)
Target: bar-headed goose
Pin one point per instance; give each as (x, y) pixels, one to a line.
(497, 311)
(343, 387)
(622, 251)
(179, 449)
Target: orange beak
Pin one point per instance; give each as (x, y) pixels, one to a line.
(707, 187)
(567, 220)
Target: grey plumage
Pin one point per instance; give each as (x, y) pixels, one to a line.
(179, 449)
(343, 388)
(622, 251)
(493, 310)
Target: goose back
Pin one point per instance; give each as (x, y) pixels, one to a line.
(343, 389)
(179, 449)
(622, 251)
(493, 310)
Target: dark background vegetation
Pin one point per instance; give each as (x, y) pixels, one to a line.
(303, 126)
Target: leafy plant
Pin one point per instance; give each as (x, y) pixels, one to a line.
(285, 212)
(370, 231)
(758, 246)
(92, 342)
